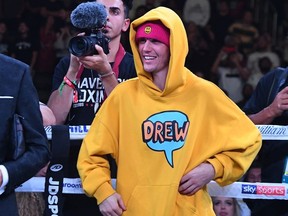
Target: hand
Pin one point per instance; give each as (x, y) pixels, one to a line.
(222, 54)
(280, 103)
(43, 171)
(98, 62)
(74, 67)
(236, 58)
(112, 206)
(196, 179)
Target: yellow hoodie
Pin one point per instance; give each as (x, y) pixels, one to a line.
(158, 136)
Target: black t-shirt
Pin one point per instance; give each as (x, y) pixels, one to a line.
(82, 113)
(273, 152)
(91, 98)
(91, 89)
(23, 48)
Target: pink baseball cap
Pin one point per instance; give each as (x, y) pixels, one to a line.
(153, 30)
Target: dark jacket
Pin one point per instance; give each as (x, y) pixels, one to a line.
(18, 95)
(273, 153)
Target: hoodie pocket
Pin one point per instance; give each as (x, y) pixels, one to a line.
(184, 206)
(159, 200)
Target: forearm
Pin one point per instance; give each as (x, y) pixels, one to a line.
(109, 82)
(60, 103)
(265, 116)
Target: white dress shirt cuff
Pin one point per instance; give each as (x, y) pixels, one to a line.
(5, 178)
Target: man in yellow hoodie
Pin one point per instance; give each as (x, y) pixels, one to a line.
(170, 131)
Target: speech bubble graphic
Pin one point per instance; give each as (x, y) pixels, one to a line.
(166, 131)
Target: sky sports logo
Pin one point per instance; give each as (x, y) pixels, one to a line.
(263, 190)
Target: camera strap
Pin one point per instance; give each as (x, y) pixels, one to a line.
(115, 68)
(56, 171)
(119, 56)
(79, 73)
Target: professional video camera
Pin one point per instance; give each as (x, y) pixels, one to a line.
(91, 16)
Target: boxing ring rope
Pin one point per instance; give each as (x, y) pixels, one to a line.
(237, 189)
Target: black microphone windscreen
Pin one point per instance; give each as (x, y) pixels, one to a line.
(89, 15)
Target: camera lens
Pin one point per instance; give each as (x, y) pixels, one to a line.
(82, 46)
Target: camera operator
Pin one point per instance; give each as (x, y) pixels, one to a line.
(81, 84)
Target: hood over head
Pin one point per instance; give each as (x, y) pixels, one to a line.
(175, 36)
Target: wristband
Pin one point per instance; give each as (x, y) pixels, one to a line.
(71, 84)
(106, 75)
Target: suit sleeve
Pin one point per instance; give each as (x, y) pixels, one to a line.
(37, 153)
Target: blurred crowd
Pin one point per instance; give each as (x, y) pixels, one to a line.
(226, 44)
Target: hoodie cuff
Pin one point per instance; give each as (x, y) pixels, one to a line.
(103, 192)
(219, 169)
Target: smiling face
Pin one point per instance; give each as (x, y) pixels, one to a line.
(224, 206)
(154, 55)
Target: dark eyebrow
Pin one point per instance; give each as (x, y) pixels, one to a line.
(114, 8)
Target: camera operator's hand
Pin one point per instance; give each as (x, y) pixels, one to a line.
(97, 62)
(100, 63)
(74, 67)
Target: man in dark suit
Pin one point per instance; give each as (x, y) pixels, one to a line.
(18, 95)
(268, 105)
